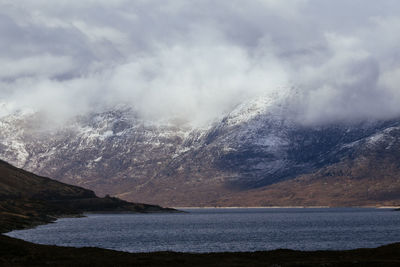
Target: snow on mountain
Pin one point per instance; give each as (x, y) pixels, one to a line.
(115, 152)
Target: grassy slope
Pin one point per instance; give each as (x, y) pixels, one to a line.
(19, 184)
(28, 200)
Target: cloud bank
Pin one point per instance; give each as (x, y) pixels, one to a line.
(196, 60)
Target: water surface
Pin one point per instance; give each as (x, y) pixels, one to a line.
(216, 230)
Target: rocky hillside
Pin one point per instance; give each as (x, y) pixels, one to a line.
(253, 148)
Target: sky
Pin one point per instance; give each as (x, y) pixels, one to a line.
(196, 60)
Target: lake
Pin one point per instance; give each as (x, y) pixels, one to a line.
(218, 230)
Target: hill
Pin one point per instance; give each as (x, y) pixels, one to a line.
(27, 199)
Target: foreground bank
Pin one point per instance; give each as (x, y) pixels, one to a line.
(14, 252)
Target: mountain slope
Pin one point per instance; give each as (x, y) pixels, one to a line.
(253, 147)
(369, 175)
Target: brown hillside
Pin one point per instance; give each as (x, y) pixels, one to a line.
(27, 200)
(361, 182)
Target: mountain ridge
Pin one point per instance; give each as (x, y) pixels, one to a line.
(254, 146)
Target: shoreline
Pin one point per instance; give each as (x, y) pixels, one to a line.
(14, 251)
(181, 211)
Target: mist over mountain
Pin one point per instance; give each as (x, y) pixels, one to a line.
(253, 153)
(194, 62)
(201, 103)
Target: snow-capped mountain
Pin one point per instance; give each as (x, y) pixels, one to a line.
(254, 146)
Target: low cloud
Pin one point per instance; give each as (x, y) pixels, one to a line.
(195, 61)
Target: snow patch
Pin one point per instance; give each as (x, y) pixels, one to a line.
(375, 138)
(258, 106)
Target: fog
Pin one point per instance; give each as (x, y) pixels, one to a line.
(196, 60)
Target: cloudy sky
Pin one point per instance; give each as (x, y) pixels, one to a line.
(197, 59)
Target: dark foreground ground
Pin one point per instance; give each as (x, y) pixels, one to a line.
(14, 252)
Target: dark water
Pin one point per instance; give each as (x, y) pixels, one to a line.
(214, 230)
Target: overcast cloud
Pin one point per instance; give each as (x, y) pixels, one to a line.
(196, 60)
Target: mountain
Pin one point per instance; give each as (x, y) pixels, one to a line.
(255, 155)
(27, 199)
(367, 174)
